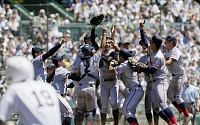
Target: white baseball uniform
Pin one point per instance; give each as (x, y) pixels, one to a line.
(59, 83)
(179, 78)
(36, 103)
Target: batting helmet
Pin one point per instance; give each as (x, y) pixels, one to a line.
(87, 50)
(18, 69)
(125, 53)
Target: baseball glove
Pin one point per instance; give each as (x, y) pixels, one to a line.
(97, 20)
(115, 63)
(136, 65)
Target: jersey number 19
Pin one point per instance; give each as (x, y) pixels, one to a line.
(43, 97)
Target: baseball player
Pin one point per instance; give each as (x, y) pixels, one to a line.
(158, 77)
(36, 103)
(109, 86)
(88, 39)
(88, 73)
(148, 102)
(39, 58)
(123, 91)
(50, 72)
(130, 81)
(174, 63)
(59, 83)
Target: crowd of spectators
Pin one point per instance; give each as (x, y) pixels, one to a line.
(126, 11)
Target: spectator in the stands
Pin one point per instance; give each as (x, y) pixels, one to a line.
(42, 18)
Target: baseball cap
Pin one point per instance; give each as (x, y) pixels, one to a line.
(125, 53)
(122, 42)
(42, 11)
(141, 43)
(10, 36)
(37, 48)
(171, 37)
(156, 39)
(50, 65)
(88, 35)
(59, 57)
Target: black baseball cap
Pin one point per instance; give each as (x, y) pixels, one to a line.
(125, 53)
(141, 43)
(122, 42)
(156, 39)
(57, 58)
(37, 48)
(171, 37)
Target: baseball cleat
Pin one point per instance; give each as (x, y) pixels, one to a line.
(180, 117)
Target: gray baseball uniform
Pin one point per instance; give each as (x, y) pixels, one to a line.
(159, 81)
(75, 67)
(148, 103)
(130, 81)
(36, 104)
(86, 88)
(109, 87)
(179, 78)
(40, 69)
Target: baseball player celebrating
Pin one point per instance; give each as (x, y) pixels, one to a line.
(174, 63)
(36, 104)
(59, 80)
(148, 102)
(109, 86)
(130, 81)
(158, 77)
(88, 73)
(39, 58)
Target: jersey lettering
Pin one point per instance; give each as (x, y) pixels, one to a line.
(43, 95)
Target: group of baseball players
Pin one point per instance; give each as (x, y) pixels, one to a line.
(102, 75)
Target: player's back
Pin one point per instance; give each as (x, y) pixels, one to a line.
(157, 60)
(36, 103)
(39, 68)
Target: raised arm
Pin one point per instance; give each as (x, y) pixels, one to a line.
(103, 40)
(93, 38)
(142, 33)
(112, 29)
(54, 49)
